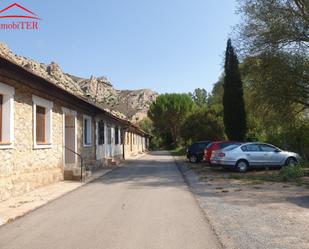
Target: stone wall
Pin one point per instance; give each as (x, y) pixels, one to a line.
(134, 144)
(88, 153)
(23, 168)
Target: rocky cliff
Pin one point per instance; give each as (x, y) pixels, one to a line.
(129, 104)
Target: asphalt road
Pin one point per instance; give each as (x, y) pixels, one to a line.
(144, 205)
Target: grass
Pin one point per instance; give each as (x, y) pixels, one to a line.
(286, 174)
(306, 164)
(178, 151)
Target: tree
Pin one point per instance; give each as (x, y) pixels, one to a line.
(274, 25)
(233, 101)
(146, 125)
(204, 124)
(275, 37)
(199, 96)
(157, 140)
(169, 112)
(278, 79)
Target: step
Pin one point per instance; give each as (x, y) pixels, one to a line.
(111, 162)
(75, 174)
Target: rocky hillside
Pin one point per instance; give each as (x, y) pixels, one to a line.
(129, 104)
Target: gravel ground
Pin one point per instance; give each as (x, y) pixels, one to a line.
(248, 216)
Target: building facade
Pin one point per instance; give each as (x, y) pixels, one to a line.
(47, 133)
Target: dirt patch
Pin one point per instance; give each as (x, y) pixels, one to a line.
(247, 212)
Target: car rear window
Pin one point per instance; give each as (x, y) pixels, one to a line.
(193, 146)
(223, 145)
(202, 145)
(231, 147)
(209, 145)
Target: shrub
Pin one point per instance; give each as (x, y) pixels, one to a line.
(291, 173)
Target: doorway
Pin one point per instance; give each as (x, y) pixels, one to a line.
(70, 145)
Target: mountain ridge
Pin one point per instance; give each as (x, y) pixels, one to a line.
(128, 104)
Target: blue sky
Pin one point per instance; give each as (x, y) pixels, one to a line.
(164, 45)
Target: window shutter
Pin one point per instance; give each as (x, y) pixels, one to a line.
(1, 103)
(101, 133)
(40, 124)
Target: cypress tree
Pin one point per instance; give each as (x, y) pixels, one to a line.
(233, 101)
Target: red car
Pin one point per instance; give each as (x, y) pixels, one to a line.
(218, 145)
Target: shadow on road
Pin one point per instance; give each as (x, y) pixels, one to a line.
(157, 169)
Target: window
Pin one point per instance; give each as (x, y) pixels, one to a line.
(268, 148)
(101, 130)
(6, 116)
(251, 147)
(223, 145)
(209, 145)
(120, 136)
(42, 122)
(116, 135)
(231, 147)
(87, 130)
(109, 135)
(202, 146)
(40, 125)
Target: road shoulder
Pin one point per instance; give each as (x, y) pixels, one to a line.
(245, 215)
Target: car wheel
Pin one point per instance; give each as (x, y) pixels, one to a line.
(291, 162)
(242, 166)
(193, 159)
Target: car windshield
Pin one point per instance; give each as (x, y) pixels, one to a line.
(231, 147)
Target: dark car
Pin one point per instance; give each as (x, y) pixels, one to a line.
(195, 151)
(218, 145)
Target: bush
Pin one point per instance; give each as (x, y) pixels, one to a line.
(291, 173)
(179, 151)
(203, 124)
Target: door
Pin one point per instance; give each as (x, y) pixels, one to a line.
(273, 156)
(70, 140)
(253, 154)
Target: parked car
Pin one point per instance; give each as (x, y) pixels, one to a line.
(249, 155)
(218, 145)
(195, 151)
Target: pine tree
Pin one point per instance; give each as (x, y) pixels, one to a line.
(233, 102)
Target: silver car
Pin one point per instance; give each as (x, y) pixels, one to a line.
(242, 157)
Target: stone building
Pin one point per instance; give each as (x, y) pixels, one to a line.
(48, 133)
(135, 141)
